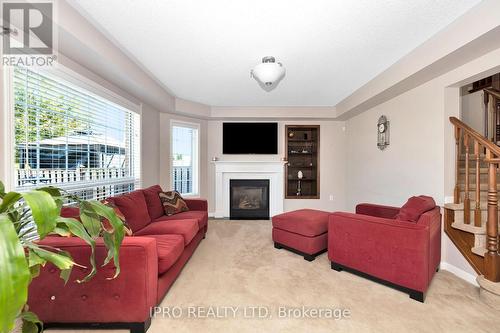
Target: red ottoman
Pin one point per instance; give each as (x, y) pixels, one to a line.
(303, 231)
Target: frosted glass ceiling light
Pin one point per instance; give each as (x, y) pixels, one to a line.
(268, 73)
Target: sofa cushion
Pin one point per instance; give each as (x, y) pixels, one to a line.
(306, 222)
(134, 208)
(170, 248)
(173, 203)
(155, 207)
(200, 216)
(71, 211)
(414, 207)
(186, 228)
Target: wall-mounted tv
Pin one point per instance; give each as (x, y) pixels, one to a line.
(250, 138)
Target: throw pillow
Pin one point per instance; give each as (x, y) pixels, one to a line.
(414, 207)
(172, 203)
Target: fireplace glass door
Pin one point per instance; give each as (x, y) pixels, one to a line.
(249, 199)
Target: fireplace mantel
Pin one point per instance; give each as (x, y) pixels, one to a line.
(227, 170)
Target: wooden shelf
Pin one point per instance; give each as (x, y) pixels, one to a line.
(305, 137)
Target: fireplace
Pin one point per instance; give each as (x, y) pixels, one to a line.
(249, 199)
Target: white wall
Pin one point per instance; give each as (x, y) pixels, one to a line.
(332, 163)
(420, 158)
(472, 106)
(150, 148)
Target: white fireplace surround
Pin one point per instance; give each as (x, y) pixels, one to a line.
(227, 170)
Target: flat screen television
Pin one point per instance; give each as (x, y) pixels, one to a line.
(250, 138)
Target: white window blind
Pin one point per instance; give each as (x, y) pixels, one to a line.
(67, 137)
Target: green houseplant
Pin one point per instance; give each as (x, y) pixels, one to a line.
(39, 210)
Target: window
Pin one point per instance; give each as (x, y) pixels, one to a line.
(185, 157)
(67, 137)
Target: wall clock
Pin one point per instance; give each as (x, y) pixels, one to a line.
(382, 133)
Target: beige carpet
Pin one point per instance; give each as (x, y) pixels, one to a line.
(237, 266)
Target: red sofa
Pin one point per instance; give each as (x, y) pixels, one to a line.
(375, 244)
(150, 261)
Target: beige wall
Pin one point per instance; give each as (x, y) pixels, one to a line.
(420, 158)
(332, 163)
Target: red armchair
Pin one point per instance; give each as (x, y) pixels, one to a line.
(376, 244)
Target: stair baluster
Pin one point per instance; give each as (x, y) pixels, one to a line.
(491, 258)
(477, 210)
(467, 176)
(456, 193)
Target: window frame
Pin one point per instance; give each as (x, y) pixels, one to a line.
(196, 163)
(75, 80)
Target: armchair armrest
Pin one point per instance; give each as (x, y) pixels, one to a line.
(197, 204)
(392, 250)
(388, 212)
(127, 298)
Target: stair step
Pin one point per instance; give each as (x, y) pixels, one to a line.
(473, 170)
(461, 157)
(472, 187)
(479, 250)
(469, 228)
(483, 205)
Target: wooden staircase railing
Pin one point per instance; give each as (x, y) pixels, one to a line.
(468, 137)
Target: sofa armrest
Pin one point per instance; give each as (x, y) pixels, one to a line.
(387, 212)
(197, 204)
(392, 250)
(127, 298)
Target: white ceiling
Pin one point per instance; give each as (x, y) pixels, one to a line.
(203, 50)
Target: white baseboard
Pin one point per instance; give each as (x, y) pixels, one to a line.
(460, 273)
(211, 214)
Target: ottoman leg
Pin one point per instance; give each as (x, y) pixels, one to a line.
(336, 267)
(417, 295)
(277, 246)
(309, 257)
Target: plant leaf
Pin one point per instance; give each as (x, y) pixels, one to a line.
(9, 200)
(91, 223)
(14, 275)
(34, 259)
(35, 271)
(117, 234)
(62, 260)
(110, 245)
(2, 189)
(77, 229)
(53, 191)
(30, 322)
(44, 211)
(62, 230)
(65, 274)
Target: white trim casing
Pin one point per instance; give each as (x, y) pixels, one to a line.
(195, 152)
(460, 273)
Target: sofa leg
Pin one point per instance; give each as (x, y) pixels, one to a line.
(309, 257)
(417, 296)
(277, 246)
(336, 267)
(437, 269)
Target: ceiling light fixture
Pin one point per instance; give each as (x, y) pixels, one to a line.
(268, 73)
